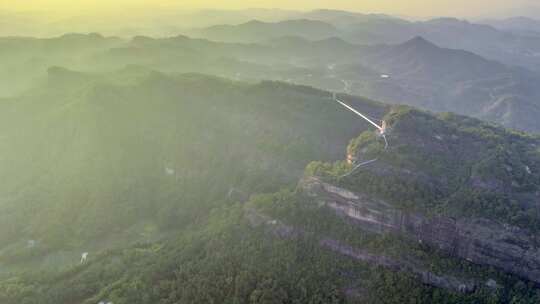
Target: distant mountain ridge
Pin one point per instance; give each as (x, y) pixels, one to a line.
(496, 44)
(519, 25)
(416, 72)
(420, 58)
(460, 81)
(257, 31)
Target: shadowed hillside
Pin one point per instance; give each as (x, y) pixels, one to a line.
(88, 155)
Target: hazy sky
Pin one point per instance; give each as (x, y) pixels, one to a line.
(405, 7)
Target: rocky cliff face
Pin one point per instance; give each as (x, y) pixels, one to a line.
(468, 192)
(478, 240)
(405, 264)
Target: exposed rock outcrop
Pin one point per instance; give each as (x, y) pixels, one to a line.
(407, 265)
(480, 241)
(427, 277)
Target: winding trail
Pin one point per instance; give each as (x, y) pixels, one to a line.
(381, 128)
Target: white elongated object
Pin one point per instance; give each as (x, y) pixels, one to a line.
(84, 257)
(380, 128)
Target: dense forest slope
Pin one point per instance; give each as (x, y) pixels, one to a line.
(447, 214)
(467, 189)
(89, 158)
(457, 164)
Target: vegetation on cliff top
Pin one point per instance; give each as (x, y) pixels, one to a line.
(447, 164)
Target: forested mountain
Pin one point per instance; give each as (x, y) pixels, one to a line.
(207, 157)
(104, 153)
(23, 60)
(416, 72)
(453, 80)
(508, 48)
(334, 238)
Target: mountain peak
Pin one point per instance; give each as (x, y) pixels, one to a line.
(254, 22)
(418, 43)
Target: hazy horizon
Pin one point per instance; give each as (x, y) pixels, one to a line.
(415, 8)
(269, 152)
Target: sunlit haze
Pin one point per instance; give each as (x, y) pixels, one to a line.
(410, 7)
(269, 151)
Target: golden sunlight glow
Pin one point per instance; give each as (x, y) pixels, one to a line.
(409, 7)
